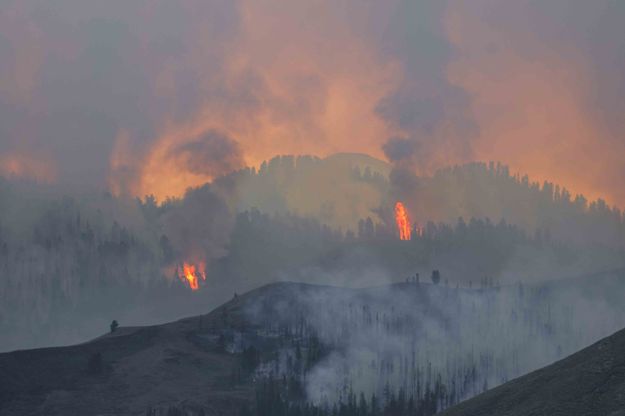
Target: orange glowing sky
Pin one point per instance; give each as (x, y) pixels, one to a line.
(154, 97)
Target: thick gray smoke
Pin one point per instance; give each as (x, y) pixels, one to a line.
(417, 337)
(400, 149)
(212, 154)
(198, 226)
(77, 76)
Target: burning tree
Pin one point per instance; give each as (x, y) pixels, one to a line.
(190, 273)
(402, 220)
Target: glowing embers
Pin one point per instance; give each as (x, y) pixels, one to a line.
(402, 220)
(191, 274)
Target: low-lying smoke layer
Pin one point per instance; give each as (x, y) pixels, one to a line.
(419, 339)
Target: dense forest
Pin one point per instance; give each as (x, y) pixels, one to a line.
(73, 263)
(490, 190)
(347, 190)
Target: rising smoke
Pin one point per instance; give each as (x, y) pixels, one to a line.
(419, 337)
(103, 95)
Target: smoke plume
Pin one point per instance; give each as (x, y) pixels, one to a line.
(103, 95)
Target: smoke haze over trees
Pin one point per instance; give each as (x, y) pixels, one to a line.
(415, 348)
(71, 264)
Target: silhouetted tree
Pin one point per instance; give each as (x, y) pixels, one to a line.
(436, 277)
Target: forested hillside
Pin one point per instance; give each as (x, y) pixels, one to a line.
(72, 263)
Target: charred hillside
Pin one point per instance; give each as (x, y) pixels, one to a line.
(590, 382)
(297, 349)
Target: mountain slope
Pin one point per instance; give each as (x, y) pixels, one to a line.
(184, 366)
(589, 382)
(313, 342)
(155, 367)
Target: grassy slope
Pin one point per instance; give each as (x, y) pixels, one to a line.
(157, 366)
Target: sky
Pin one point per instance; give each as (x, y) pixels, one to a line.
(154, 96)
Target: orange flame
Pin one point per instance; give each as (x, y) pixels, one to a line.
(402, 220)
(191, 275)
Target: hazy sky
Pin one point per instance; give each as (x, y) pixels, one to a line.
(153, 96)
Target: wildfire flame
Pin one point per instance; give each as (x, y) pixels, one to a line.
(402, 220)
(191, 274)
